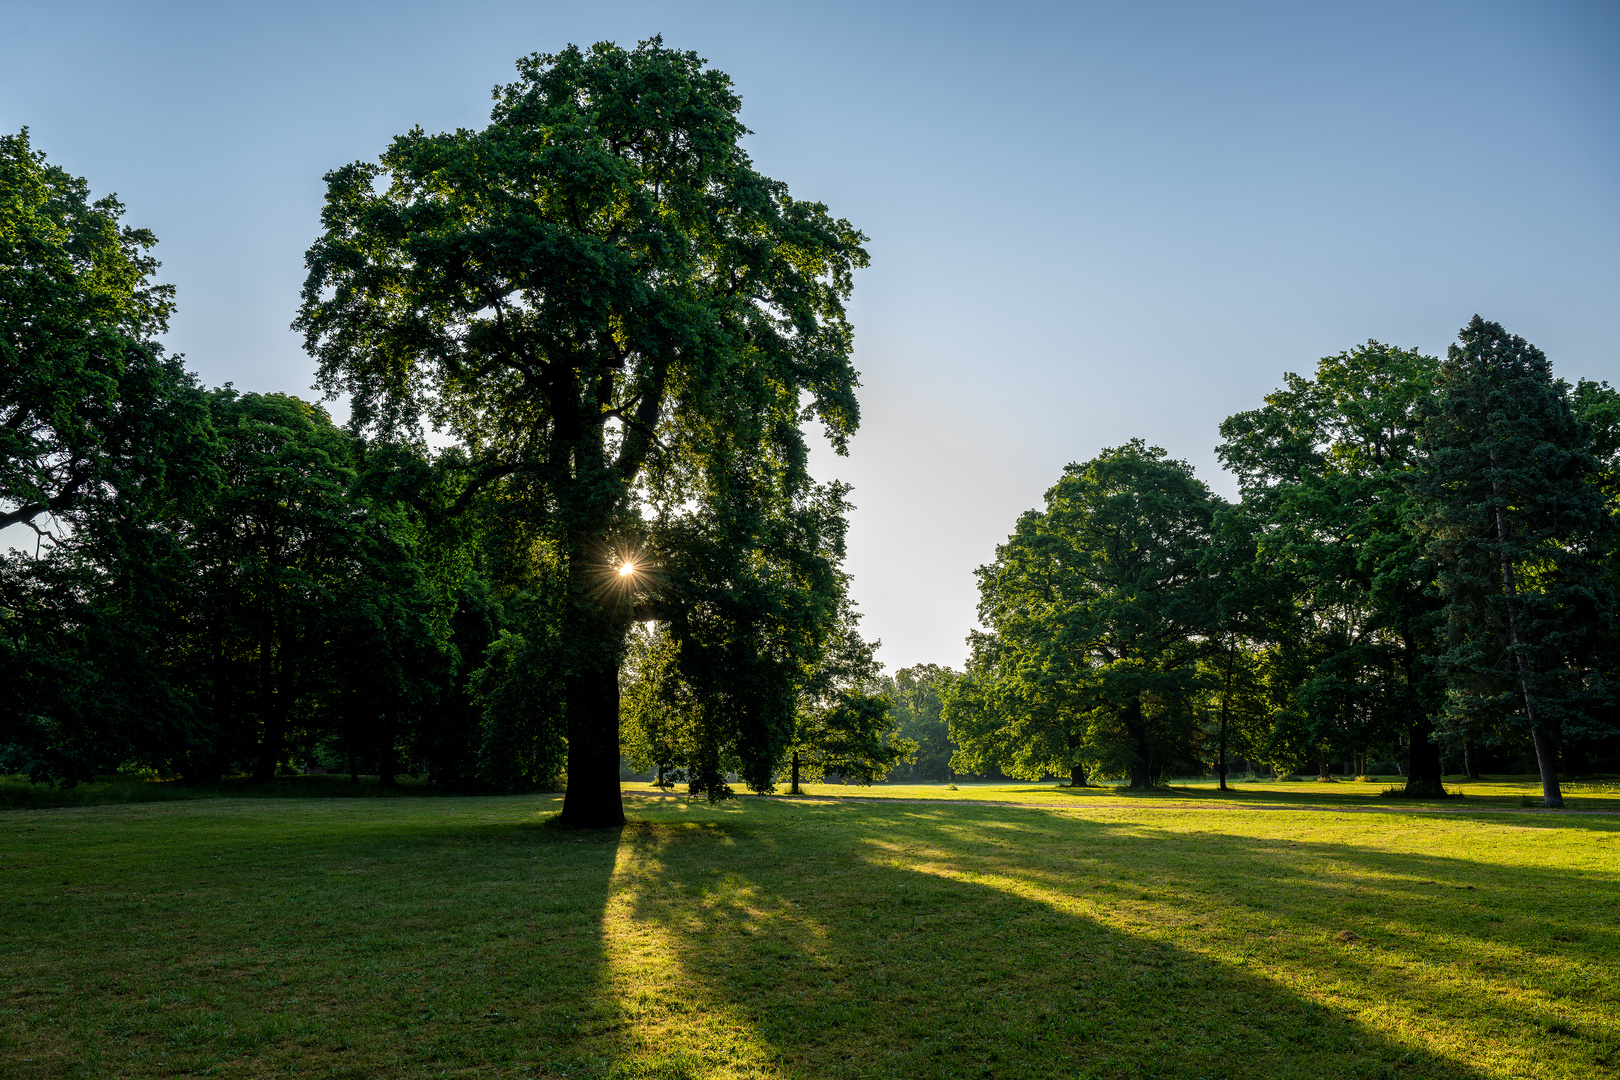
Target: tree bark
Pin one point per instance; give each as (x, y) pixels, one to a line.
(1547, 761)
(208, 763)
(1226, 699)
(386, 766)
(1546, 752)
(1077, 776)
(592, 799)
(271, 723)
(794, 789)
(1423, 778)
(1136, 727)
(594, 627)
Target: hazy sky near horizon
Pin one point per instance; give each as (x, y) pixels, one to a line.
(1088, 222)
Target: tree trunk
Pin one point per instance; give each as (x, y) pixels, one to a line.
(1423, 777)
(1322, 772)
(592, 799)
(386, 766)
(1576, 760)
(270, 750)
(1547, 761)
(1141, 772)
(208, 762)
(1470, 760)
(1077, 776)
(272, 716)
(1546, 751)
(595, 641)
(794, 789)
(1226, 698)
(595, 623)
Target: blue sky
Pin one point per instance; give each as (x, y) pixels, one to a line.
(1089, 221)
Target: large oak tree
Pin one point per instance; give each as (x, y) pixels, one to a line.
(600, 296)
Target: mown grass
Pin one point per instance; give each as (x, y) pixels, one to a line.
(1497, 792)
(18, 793)
(798, 938)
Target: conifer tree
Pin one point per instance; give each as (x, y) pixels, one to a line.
(1517, 519)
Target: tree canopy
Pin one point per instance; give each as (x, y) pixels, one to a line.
(1514, 505)
(1097, 611)
(625, 331)
(1325, 468)
(600, 297)
(91, 409)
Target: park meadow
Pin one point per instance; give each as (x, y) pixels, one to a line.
(523, 722)
(990, 931)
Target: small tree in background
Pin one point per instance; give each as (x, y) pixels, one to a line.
(844, 723)
(1099, 612)
(521, 743)
(1002, 718)
(659, 715)
(845, 720)
(918, 693)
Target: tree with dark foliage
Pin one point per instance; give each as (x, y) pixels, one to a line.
(1325, 467)
(599, 293)
(1514, 506)
(1098, 612)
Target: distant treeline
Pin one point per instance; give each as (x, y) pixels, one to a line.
(623, 552)
(1423, 562)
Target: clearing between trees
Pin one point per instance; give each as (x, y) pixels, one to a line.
(408, 937)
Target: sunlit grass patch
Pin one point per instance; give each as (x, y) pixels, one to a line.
(1497, 792)
(775, 938)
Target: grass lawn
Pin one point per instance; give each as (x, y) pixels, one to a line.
(417, 937)
(1495, 793)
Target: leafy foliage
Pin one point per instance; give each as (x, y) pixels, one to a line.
(1098, 611)
(918, 697)
(90, 407)
(1325, 468)
(600, 297)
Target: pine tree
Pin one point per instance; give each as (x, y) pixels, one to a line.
(1518, 522)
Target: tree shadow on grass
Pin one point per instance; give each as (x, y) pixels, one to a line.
(915, 942)
(386, 940)
(1488, 795)
(824, 940)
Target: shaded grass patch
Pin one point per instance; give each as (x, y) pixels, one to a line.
(768, 938)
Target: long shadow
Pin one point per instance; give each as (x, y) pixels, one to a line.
(822, 940)
(952, 942)
(347, 938)
(1346, 795)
